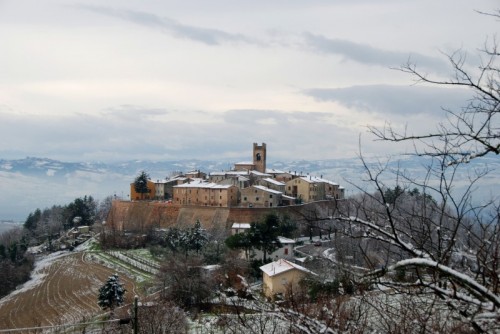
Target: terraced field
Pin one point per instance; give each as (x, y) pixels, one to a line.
(64, 289)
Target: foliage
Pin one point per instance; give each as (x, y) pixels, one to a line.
(81, 212)
(111, 293)
(185, 240)
(33, 219)
(197, 238)
(141, 183)
(185, 282)
(263, 235)
(15, 263)
(162, 317)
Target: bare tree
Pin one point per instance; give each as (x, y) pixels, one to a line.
(438, 242)
(473, 131)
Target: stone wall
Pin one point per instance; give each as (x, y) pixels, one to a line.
(141, 215)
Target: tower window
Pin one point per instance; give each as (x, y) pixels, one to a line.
(258, 157)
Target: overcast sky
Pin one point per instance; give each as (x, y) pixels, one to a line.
(120, 79)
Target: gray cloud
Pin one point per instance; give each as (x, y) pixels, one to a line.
(367, 54)
(115, 138)
(171, 26)
(387, 99)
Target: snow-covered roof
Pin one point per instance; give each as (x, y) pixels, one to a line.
(240, 225)
(230, 172)
(203, 184)
(284, 240)
(254, 172)
(275, 171)
(315, 179)
(273, 181)
(244, 163)
(280, 266)
(266, 189)
(288, 197)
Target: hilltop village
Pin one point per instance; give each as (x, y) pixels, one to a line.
(248, 184)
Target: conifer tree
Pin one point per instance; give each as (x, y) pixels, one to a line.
(111, 293)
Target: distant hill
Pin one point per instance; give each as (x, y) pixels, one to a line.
(30, 183)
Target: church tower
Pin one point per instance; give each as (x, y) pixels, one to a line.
(259, 157)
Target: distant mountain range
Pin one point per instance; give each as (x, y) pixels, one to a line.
(30, 183)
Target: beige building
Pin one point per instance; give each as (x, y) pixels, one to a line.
(305, 189)
(281, 276)
(260, 197)
(206, 194)
(332, 190)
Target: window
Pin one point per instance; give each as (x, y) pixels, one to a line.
(256, 199)
(271, 196)
(245, 198)
(286, 251)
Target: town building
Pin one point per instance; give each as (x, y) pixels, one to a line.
(205, 193)
(305, 189)
(282, 277)
(260, 197)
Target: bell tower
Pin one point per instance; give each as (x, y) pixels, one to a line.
(259, 157)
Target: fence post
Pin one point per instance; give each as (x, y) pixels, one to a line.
(136, 317)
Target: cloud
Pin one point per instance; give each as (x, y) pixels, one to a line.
(391, 99)
(112, 137)
(369, 55)
(174, 28)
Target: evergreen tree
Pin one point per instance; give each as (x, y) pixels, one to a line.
(111, 293)
(262, 236)
(141, 184)
(32, 220)
(197, 237)
(81, 212)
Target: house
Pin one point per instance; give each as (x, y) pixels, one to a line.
(272, 184)
(217, 177)
(196, 174)
(239, 181)
(160, 186)
(280, 276)
(306, 189)
(205, 193)
(283, 252)
(331, 190)
(239, 228)
(260, 197)
(280, 175)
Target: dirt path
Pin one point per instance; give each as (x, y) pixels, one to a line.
(63, 291)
